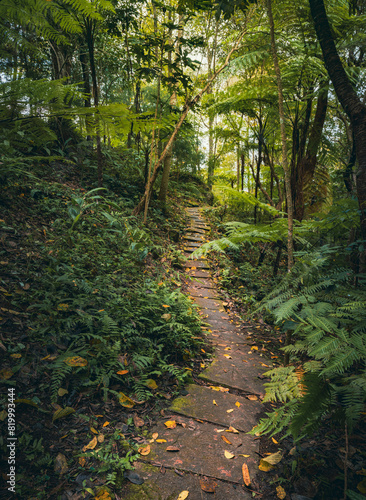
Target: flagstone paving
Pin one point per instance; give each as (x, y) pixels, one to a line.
(207, 442)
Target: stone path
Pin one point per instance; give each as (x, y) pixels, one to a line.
(191, 455)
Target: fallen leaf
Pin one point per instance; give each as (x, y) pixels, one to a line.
(183, 495)
(62, 412)
(125, 400)
(100, 438)
(82, 461)
(264, 466)
(144, 450)
(61, 464)
(3, 415)
(252, 397)
(75, 361)
(16, 356)
(232, 429)
(238, 404)
(138, 421)
(281, 493)
(103, 494)
(275, 442)
(155, 435)
(274, 458)
(166, 316)
(27, 402)
(170, 424)
(161, 440)
(207, 484)
(165, 305)
(362, 486)
(228, 356)
(94, 431)
(229, 411)
(254, 348)
(91, 445)
(151, 384)
(61, 392)
(105, 424)
(122, 372)
(224, 438)
(172, 448)
(246, 475)
(228, 454)
(214, 402)
(241, 455)
(5, 374)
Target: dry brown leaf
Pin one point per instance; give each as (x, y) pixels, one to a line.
(246, 475)
(125, 400)
(101, 438)
(144, 450)
(91, 445)
(252, 397)
(61, 464)
(281, 493)
(82, 461)
(228, 454)
(224, 438)
(170, 424)
(155, 435)
(172, 448)
(138, 421)
(208, 484)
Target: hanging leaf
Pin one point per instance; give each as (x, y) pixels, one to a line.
(170, 424)
(246, 475)
(144, 450)
(281, 493)
(125, 400)
(91, 445)
(62, 413)
(228, 454)
(75, 361)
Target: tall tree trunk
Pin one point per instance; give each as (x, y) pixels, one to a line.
(351, 103)
(307, 164)
(290, 242)
(90, 27)
(179, 123)
(87, 90)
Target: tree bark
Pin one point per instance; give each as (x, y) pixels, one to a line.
(351, 103)
(290, 242)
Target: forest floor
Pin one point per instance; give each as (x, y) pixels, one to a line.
(81, 453)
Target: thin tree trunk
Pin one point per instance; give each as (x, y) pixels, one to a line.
(178, 125)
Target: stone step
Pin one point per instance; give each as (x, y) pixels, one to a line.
(198, 264)
(201, 450)
(211, 406)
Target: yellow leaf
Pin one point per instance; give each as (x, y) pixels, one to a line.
(166, 317)
(155, 435)
(105, 424)
(219, 388)
(75, 361)
(100, 438)
(82, 461)
(94, 431)
(171, 424)
(227, 348)
(228, 454)
(125, 400)
(246, 475)
(227, 356)
(5, 374)
(274, 458)
(122, 372)
(229, 411)
(161, 440)
(144, 450)
(224, 438)
(165, 305)
(62, 392)
(103, 494)
(254, 348)
(241, 455)
(252, 397)
(237, 404)
(232, 429)
(264, 466)
(62, 412)
(16, 356)
(183, 495)
(275, 442)
(281, 493)
(91, 445)
(26, 402)
(214, 402)
(151, 384)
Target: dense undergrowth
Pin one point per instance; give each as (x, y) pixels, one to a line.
(93, 323)
(318, 312)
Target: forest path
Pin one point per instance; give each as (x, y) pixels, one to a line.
(200, 453)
